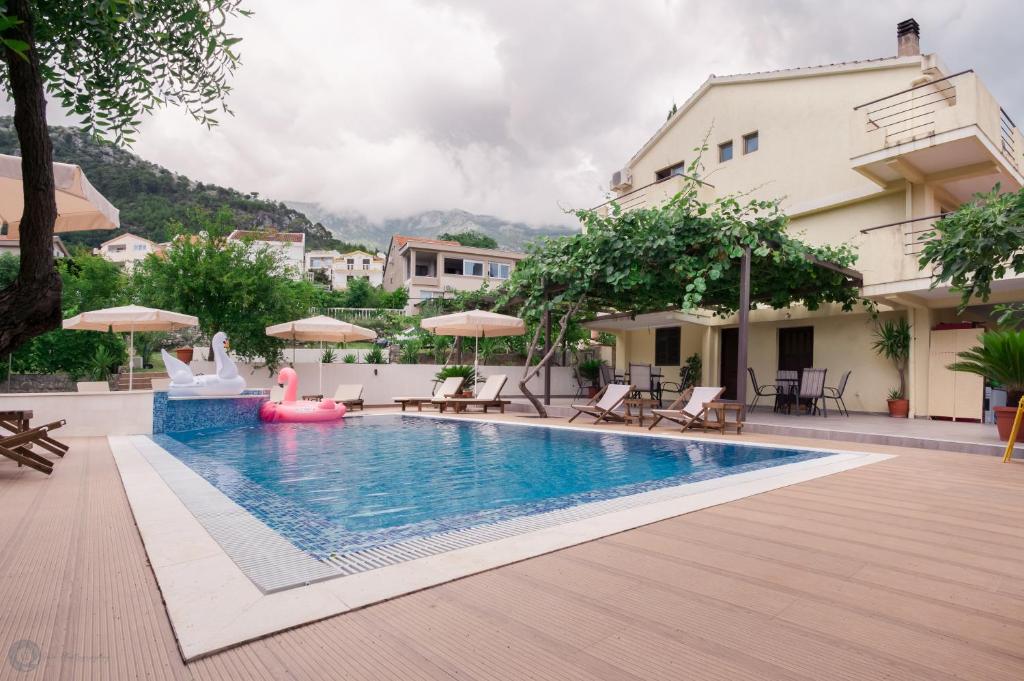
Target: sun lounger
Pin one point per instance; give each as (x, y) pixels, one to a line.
(490, 396)
(17, 421)
(276, 394)
(93, 387)
(604, 403)
(350, 395)
(688, 409)
(450, 387)
(15, 447)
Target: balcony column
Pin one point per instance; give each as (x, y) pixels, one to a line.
(920, 319)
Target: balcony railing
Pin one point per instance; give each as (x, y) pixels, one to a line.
(944, 105)
(655, 194)
(891, 252)
(352, 313)
(913, 232)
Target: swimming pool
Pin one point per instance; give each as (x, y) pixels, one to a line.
(376, 481)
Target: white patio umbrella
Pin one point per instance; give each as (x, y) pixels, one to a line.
(130, 318)
(79, 205)
(320, 328)
(476, 324)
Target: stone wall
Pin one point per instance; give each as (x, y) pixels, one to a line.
(37, 383)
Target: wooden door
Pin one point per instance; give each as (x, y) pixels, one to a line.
(941, 381)
(727, 362)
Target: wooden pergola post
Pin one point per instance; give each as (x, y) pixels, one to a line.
(547, 348)
(744, 333)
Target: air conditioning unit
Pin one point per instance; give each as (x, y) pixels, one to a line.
(621, 179)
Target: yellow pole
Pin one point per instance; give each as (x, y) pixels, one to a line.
(1013, 434)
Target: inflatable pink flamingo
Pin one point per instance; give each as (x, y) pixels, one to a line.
(291, 410)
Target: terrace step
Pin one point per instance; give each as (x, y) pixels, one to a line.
(141, 381)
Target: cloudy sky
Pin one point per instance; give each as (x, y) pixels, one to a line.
(518, 109)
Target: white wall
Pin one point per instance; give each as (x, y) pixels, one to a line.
(383, 382)
(116, 413)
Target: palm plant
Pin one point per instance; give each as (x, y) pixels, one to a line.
(349, 358)
(328, 356)
(100, 366)
(892, 341)
(374, 356)
(467, 373)
(999, 359)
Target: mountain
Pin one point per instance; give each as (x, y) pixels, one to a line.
(353, 226)
(150, 197)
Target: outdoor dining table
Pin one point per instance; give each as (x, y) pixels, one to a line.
(789, 391)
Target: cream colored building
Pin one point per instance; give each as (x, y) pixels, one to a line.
(126, 249)
(866, 153)
(342, 268)
(428, 268)
(290, 247)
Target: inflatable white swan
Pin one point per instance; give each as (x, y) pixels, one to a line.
(225, 382)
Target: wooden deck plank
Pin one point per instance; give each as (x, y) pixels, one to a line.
(904, 569)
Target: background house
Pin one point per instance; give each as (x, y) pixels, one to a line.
(126, 249)
(427, 268)
(869, 153)
(290, 247)
(9, 245)
(335, 270)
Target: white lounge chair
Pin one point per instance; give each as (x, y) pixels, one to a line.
(693, 412)
(277, 394)
(93, 387)
(350, 395)
(603, 404)
(450, 387)
(489, 396)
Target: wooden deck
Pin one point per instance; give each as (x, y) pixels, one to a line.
(912, 568)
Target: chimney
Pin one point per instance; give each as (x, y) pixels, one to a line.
(908, 38)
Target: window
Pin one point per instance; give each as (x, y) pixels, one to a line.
(140, 248)
(473, 268)
(665, 173)
(119, 248)
(350, 263)
(366, 264)
(750, 143)
(498, 270)
(453, 265)
(666, 347)
(725, 151)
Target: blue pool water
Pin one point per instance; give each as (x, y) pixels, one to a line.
(375, 480)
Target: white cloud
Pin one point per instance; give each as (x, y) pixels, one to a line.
(516, 109)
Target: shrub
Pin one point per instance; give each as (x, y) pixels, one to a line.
(328, 356)
(590, 369)
(103, 364)
(410, 353)
(464, 370)
(349, 358)
(374, 356)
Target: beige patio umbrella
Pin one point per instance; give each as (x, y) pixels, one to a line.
(320, 328)
(476, 324)
(79, 205)
(130, 318)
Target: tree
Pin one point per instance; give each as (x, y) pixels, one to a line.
(684, 254)
(471, 238)
(107, 63)
(981, 242)
(235, 287)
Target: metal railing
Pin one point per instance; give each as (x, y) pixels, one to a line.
(1006, 136)
(913, 238)
(910, 112)
(348, 313)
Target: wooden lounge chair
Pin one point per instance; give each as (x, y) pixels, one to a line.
(17, 421)
(15, 447)
(490, 396)
(450, 387)
(350, 395)
(604, 403)
(688, 409)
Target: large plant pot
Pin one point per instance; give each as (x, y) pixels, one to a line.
(899, 409)
(1004, 421)
(185, 354)
(592, 390)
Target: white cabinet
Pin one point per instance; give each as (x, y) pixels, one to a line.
(953, 394)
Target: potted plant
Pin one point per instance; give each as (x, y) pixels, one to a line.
(467, 373)
(590, 369)
(892, 341)
(1000, 360)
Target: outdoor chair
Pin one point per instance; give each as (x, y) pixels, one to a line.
(608, 376)
(581, 383)
(641, 376)
(18, 421)
(766, 390)
(350, 395)
(489, 396)
(16, 447)
(812, 389)
(837, 394)
(450, 386)
(604, 403)
(689, 408)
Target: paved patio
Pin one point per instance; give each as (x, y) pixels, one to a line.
(908, 568)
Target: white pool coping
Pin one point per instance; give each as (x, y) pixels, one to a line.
(212, 605)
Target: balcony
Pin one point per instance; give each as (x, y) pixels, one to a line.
(949, 132)
(889, 253)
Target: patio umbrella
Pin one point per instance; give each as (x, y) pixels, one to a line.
(79, 205)
(476, 324)
(130, 318)
(320, 328)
